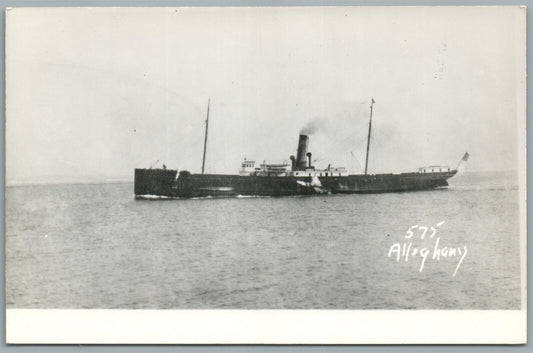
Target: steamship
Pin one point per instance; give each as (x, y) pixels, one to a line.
(299, 177)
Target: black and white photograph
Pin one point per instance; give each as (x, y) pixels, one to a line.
(277, 174)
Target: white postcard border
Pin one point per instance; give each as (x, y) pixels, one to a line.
(44, 326)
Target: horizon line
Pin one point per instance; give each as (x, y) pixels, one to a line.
(75, 181)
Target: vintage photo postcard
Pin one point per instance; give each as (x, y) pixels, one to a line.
(287, 175)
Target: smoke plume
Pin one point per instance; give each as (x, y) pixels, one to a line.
(313, 126)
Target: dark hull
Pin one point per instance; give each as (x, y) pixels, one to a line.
(165, 183)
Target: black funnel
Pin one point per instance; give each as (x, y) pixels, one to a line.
(301, 162)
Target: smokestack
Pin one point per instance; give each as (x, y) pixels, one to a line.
(309, 154)
(293, 161)
(303, 142)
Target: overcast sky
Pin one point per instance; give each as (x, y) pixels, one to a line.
(94, 93)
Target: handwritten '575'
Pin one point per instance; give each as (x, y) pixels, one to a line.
(423, 231)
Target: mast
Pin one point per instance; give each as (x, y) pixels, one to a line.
(206, 129)
(368, 141)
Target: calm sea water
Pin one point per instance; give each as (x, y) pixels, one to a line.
(95, 246)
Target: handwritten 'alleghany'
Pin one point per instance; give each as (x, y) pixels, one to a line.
(405, 250)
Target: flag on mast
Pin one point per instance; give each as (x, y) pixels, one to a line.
(463, 160)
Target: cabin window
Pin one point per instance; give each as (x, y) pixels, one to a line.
(326, 174)
(339, 174)
(440, 169)
(309, 174)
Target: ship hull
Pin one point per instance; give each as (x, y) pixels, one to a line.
(168, 183)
